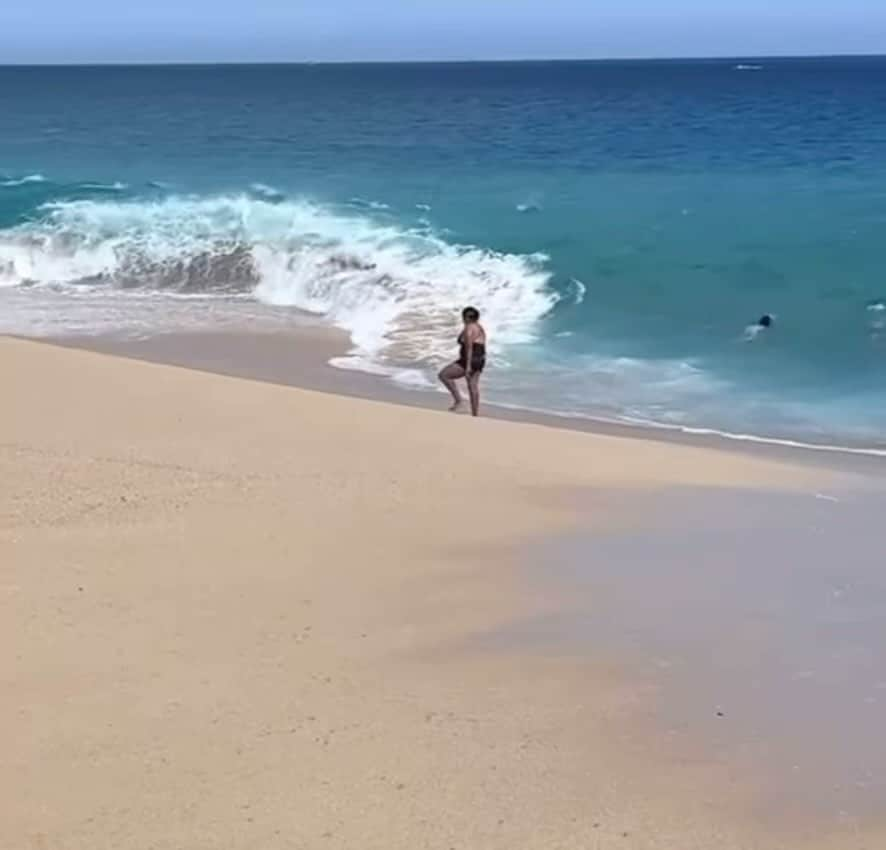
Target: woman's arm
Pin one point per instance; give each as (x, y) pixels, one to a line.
(470, 333)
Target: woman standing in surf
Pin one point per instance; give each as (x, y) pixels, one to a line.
(471, 361)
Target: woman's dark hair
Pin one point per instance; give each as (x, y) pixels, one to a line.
(470, 314)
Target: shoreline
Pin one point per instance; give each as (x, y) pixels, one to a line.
(234, 611)
(300, 358)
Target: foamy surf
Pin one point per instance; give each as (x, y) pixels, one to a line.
(580, 289)
(116, 186)
(12, 182)
(362, 203)
(643, 423)
(268, 193)
(396, 291)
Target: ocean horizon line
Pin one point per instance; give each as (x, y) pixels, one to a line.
(674, 60)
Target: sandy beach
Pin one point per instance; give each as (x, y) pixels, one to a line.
(243, 615)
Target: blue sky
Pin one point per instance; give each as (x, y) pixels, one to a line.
(336, 30)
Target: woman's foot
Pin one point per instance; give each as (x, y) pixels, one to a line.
(455, 406)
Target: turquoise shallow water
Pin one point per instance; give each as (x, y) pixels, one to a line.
(620, 224)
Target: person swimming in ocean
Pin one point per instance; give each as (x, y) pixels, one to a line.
(471, 361)
(766, 321)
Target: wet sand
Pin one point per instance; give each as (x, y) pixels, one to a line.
(301, 358)
(759, 621)
(237, 614)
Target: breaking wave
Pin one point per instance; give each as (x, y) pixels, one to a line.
(12, 182)
(396, 291)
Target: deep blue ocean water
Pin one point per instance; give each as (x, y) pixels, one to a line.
(619, 224)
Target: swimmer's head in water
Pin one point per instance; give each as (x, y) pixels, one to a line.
(470, 314)
(765, 321)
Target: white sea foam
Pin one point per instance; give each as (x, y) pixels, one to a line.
(396, 291)
(779, 441)
(22, 181)
(751, 332)
(117, 186)
(362, 203)
(269, 193)
(722, 434)
(580, 290)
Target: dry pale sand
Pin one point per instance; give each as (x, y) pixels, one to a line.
(238, 615)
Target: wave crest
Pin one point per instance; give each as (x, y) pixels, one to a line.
(12, 182)
(396, 291)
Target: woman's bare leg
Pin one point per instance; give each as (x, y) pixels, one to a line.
(474, 392)
(448, 376)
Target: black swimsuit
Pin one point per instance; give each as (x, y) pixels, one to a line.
(478, 355)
